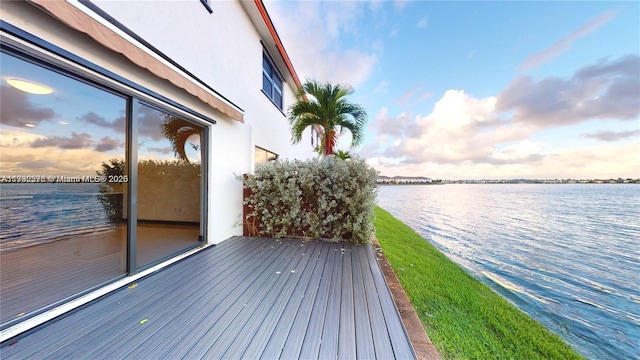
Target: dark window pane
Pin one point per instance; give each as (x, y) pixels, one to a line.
(266, 65)
(277, 83)
(277, 98)
(266, 85)
(271, 82)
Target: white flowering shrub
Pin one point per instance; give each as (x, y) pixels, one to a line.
(320, 198)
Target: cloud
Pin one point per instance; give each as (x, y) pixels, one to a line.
(326, 25)
(603, 162)
(519, 153)
(494, 130)
(460, 128)
(119, 124)
(161, 150)
(18, 154)
(605, 90)
(612, 135)
(564, 44)
(466, 137)
(422, 24)
(17, 138)
(396, 126)
(75, 141)
(149, 122)
(17, 109)
(53, 161)
(107, 144)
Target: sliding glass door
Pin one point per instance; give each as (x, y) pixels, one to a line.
(94, 185)
(169, 184)
(59, 137)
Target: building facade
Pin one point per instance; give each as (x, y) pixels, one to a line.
(124, 127)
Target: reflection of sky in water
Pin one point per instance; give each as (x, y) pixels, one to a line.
(72, 130)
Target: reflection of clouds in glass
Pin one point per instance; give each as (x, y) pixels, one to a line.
(161, 150)
(150, 123)
(17, 109)
(39, 164)
(75, 141)
(77, 128)
(108, 143)
(95, 119)
(52, 161)
(78, 141)
(10, 138)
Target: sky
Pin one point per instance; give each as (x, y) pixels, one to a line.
(480, 90)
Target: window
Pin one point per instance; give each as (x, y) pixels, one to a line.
(263, 156)
(271, 81)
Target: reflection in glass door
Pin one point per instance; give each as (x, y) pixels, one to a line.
(94, 185)
(169, 189)
(62, 226)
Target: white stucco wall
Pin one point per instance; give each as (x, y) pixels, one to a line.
(223, 49)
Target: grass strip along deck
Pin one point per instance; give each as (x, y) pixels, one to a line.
(464, 318)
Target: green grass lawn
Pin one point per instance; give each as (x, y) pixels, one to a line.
(464, 318)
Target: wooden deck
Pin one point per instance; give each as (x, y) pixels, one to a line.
(244, 298)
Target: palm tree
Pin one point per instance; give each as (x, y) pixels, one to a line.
(325, 106)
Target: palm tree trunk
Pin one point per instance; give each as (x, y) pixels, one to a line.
(329, 142)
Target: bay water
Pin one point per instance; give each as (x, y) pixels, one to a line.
(568, 255)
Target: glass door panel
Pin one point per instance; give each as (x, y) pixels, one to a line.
(62, 160)
(169, 188)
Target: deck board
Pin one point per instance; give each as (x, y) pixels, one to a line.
(388, 308)
(364, 336)
(331, 324)
(244, 298)
(305, 333)
(347, 329)
(381, 340)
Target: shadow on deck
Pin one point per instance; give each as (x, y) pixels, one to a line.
(244, 298)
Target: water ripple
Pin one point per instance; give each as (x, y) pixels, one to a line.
(568, 255)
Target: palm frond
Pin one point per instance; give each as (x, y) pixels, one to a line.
(325, 105)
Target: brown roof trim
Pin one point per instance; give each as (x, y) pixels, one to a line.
(276, 39)
(78, 20)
